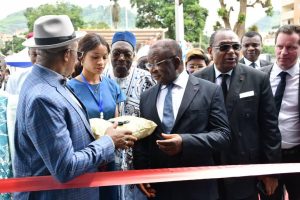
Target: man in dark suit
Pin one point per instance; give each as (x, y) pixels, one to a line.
(251, 113)
(284, 78)
(251, 49)
(190, 127)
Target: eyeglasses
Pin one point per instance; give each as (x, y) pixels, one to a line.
(79, 53)
(227, 47)
(150, 66)
(126, 54)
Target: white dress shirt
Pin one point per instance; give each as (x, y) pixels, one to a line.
(177, 94)
(288, 118)
(218, 80)
(248, 63)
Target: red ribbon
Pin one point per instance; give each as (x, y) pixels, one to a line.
(38, 183)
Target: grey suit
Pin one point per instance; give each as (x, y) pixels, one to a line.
(254, 124)
(263, 63)
(202, 123)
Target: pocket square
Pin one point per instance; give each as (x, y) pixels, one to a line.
(246, 94)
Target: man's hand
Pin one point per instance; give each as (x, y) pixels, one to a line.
(171, 145)
(270, 183)
(122, 138)
(147, 190)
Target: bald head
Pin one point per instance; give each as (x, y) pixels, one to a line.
(164, 57)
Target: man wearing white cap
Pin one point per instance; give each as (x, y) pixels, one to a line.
(53, 135)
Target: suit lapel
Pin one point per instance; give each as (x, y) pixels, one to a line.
(210, 74)
(236, 82)
(53, 80)
(189, 94)
(81, 112)
(152, 104)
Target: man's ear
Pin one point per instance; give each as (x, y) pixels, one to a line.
(209, 50)
(177, 62)
(67, 55)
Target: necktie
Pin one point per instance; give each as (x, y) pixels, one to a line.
(168, 114)
(280, 90)
(224, 84)
(253, 65)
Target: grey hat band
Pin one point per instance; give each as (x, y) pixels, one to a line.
(54, 40)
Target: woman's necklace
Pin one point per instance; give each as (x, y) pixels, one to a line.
(94, 94)
(96, 89)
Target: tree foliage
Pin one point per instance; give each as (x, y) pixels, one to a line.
(239, 27)
(269, 49)
(62, 8)
(13, 46)
(161, 14)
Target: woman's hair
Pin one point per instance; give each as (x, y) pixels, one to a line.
(89, 42)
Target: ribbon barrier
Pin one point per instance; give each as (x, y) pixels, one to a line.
(97, 179)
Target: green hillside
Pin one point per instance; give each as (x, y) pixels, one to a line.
(17, 21)
(13, 22)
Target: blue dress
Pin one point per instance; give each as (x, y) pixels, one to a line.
(111, 95)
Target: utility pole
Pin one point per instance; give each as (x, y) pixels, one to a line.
(179, 23)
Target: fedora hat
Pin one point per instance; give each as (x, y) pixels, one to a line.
(52, 31)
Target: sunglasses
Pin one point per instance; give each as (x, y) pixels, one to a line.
(227, 47)
(150, 66)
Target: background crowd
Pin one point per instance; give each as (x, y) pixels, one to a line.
(219, 106)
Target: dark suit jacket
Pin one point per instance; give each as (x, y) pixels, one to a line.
(202, 123)
(263, 63)
(268, 69)
(254, 125)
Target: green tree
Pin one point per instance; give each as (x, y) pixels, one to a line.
(269, 49)
(161, 14)
(239, 27)
(62, 8)
(253, 28)
(13, 46)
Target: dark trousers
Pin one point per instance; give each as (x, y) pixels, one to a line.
(290, 181)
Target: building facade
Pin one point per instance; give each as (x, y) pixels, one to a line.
(290, 12)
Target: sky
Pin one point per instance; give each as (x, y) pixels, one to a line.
(11, 6)
(253, 14)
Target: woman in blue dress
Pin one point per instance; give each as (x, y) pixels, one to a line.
(100, 95)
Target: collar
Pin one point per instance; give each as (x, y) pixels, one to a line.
(59, 76)
(180, 81)
(218, 73)
(293, 71)
(248, 62)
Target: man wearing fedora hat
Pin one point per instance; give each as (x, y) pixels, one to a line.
(53, 135)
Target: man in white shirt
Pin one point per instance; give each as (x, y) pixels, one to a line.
(284, 78)
(251, 48)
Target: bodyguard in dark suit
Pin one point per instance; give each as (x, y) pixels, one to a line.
(192, 124)
(251, 49)
(251, 113)
(284, 78)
